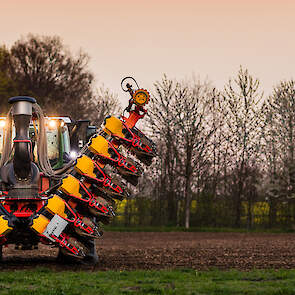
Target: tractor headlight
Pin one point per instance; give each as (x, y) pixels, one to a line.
(53, 124)
(2, 123)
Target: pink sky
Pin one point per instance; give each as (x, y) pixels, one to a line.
(148, 38)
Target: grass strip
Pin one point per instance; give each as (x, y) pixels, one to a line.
(44, 281)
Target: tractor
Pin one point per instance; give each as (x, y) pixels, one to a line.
(57, 184)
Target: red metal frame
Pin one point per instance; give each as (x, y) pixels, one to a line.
(23, 209)
(134, 116)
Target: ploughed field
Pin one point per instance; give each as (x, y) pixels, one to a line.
(171, 250)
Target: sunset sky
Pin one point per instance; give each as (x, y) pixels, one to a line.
(145, 39)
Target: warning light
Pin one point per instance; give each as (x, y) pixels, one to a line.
(141, 97)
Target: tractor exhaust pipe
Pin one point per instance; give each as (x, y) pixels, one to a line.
(22, 114)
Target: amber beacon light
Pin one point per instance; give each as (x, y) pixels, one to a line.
(141, 97)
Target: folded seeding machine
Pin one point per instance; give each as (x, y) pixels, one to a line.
(47, 197)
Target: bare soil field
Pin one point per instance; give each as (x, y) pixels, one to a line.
(170, 250)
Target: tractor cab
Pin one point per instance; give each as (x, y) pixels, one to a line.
(58, 139)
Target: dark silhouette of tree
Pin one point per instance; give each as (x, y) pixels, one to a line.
(44, 68)
(7, 85)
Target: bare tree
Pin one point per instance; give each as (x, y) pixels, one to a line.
(243, 124)
(195, 124)
(102, 104)
(279, 144)
(162, 122)
(182, 117)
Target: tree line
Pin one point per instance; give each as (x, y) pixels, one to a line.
(226, 157)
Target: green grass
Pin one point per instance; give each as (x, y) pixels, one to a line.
(194, 229)
(47, 282)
